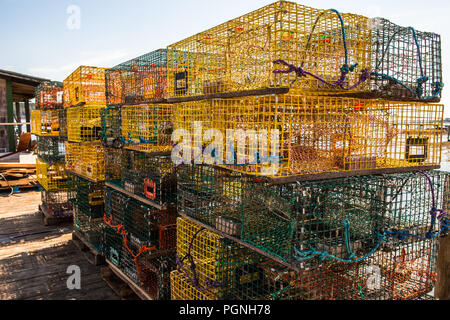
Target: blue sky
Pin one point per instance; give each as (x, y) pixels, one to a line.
(35, 38)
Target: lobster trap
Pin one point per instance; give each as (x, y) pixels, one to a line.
(86, 160)
(50, 149)
(51, 176)
(62, 117)
(298, 136)
(49, 95)
(111, 122)
(407, 63)
(86, 85)
(147, 128)
(280, 45)
(84, 124)
(150, 177)
(141, 79)
(90, 229)
(45, 123)
(57, 203)
(87, 196)
(140, 241)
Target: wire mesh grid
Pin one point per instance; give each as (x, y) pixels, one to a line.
(84, 124)
(137, 80)
(50, 149)
(90, 229)
(151, 177)
(147, 127)
(86, 160)
(51, 175)
(49, 95)
(407, 63)
(259, 49)
(87, 196)
(62, 118)
(45, 123)
(85, 85)
(57, 203)
(111, 121)
(137, 238)
(295, 135)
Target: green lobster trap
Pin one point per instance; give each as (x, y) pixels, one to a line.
(311, 223)
(50, 149)
(49, 95)
(62, 117)
(141, 79)
(150, 177)
(57, 203)
(137, 238)
(111, 135)
(90, 229)
(407, 63)
(87, 196)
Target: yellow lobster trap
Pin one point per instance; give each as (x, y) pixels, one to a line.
(298, 135)
(45, 123)
(84, 124)
(147, 128)
(85, 85)
(280, 45)
(86, 160)
(51, 176)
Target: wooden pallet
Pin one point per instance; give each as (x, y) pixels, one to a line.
(139, 292)
(90, 253)
(50, 220)
(120, 288)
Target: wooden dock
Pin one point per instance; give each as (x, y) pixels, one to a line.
(34, 258)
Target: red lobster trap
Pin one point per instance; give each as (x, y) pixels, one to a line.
(140, 79)
(49, 95)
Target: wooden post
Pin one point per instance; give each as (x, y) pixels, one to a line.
(18, 118)
(27, 114)
(10, 108)
(442, 289)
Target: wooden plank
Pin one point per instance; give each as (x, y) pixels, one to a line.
(90, 253)
(138, 198)
(138, 290)
(17, 166)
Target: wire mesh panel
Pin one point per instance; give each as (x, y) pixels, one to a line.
(280, 45)
(87, 160)
(85, 85)
(407, 63)
(49, 95)
(57, 203)
(151, 177)
(87, 196)
(111, 121)
(137, 80)
(84, 124)
(62, 117)
(50, 149)
(138, 237)
(298, 135)
(90, 229)
(51, 176)
(147, 128)
(45, 123)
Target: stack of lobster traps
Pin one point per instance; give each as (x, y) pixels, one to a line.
(307, 145)
(84, 97)
(140, 210)
(50, 164)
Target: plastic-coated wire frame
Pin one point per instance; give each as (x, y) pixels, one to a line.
(49, 95)
(407, 63)
(57, 203)
(295, 135)
(150, 177)
(84, 124)
(62, 117)
(50, 149)
(85, 85)
(262, 49)
(90, 229)
(309, 224)
(87, 196)
(45, 123)
(136, 237)
(137, 80)
(51, 176)
(111, 122)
